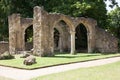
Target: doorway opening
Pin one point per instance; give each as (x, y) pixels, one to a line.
(61, 37)
(29, 38)
(81, 42)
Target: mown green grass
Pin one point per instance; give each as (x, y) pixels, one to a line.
(104, 72)
(57, 59)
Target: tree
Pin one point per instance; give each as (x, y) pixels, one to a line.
(76, 8)
(114, 22)
(80, 8)
(113, 3)
(5, 10)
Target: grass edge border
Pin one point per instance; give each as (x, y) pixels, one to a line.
(57, 64)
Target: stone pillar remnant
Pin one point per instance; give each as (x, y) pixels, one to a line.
(72, 42)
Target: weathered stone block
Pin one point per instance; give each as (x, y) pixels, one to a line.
(29, 60)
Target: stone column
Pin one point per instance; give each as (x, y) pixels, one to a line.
(91, 42)
(23, 40)
(42, 33)
(37, 24)
(14, 23)
(60, 44)
(72, 42)
(19, 38)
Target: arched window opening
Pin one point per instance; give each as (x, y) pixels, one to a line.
(81, 41)
(29, 38)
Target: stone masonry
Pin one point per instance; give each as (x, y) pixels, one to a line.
(105, 42)
(4, 46)
(43, 33)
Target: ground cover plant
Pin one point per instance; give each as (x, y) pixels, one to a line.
(104, 72)
(57, 59)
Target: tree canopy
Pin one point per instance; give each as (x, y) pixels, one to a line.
(114, 22)
(77, 8)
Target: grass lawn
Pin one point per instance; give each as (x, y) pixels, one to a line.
(104, 72)
(57, 59)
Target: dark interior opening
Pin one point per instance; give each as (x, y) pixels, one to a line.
(81, 39)
(56, 39)
(29, 38)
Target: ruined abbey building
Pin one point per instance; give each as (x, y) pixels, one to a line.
(44, 24)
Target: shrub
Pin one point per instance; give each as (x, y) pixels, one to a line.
(6, 55)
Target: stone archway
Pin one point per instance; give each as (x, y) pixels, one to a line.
(17, 26)
(81, 41)
(43, 28)
(90, 25)
(71, 29)
(28, 38)
(64, 36)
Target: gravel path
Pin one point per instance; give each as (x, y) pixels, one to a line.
(19, 74)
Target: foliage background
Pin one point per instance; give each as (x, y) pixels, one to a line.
(77, 8)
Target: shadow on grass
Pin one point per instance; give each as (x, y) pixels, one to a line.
(63, 55)
(107, 53)
(74, 56)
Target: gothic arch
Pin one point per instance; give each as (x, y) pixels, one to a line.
(66, 19)
(28, 38)
(63, 37)
(90, 27)
(81, 38)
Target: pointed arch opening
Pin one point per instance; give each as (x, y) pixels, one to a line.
(81, 39)
(28, 38)
(61, 37)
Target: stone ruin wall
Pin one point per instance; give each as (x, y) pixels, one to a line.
(43, 28)
(17, 26)
(105, 42)
(4, 46)
(43, 42)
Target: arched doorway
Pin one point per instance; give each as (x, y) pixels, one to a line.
(81, 41)
(61, 37)
(29, 38)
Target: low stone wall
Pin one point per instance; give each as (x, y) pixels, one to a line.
(105, 42)
(4, 46)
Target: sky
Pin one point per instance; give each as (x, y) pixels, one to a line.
(108, 8)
